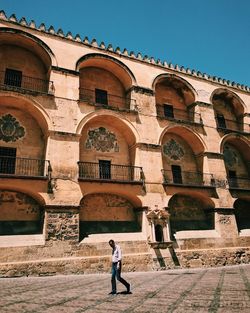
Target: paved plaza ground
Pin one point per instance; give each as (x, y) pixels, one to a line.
(224, 289)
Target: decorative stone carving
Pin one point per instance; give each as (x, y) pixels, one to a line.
(10, 129)
(157, 213)
(102, 140)
(173, 150)
(230, 156)
(225, 219)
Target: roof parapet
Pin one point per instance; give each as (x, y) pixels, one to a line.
(42, 28)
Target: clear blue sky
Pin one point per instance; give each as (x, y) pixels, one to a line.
(212, 36)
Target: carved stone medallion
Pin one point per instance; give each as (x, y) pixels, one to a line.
(10, 129)
(102, 140)
(173, 150)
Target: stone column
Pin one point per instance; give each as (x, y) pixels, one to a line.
(225, 223)
(62, 223)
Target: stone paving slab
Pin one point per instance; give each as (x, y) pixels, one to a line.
(214, 290)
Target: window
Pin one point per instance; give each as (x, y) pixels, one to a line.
(7, 160)
(13, 78)
(232, 178)
(221, 123)
(101, 96)
(176, 173)
(105, 169)
(168, 110)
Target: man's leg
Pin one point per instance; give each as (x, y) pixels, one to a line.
(122, 280)
(113, 277)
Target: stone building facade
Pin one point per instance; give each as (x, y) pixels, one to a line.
(99, 143)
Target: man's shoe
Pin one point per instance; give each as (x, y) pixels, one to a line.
(112, 293)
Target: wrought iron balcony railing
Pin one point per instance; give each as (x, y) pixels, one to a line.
(22, 83)
(187, 178)
(109, 102)
(122, 173)
(232, 125)
(239, 183)
(11, 166)
(178, 115)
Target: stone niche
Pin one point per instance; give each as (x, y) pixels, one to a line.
(107, 213)
(19, 214)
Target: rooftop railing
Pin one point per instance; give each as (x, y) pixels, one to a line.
(112, 101)
(11, 166)
(12, 82)
(187, 178)
(123, 173)
(178, 115)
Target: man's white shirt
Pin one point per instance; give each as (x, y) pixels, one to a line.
(116, 254)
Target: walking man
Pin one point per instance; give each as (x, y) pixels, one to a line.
(117, 267)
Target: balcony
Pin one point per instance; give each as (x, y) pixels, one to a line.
(23, 167)
(227, 125)
(239, 183)
(112, 102)
(194, 179)
(22, 83)
(111, 173)
(177, 115)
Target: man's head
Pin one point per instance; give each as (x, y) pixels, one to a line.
(112, 243)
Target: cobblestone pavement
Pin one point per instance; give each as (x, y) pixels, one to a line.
(224, 289)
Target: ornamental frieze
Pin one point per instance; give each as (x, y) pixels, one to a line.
(173, 150)
(10, 129)
(102, 140)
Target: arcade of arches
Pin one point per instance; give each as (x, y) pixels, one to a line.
(97, 144)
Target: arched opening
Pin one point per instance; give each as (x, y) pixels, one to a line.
(23, 138)
(20, 214)
(105, 81)
(228, 110)
(173, 97)
(242, 214)
(107, 150)
(25, 61)
(182, 157)
(190, 213)
(236, 154)
(102, 213)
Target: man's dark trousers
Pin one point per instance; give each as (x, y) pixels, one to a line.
(116, 274)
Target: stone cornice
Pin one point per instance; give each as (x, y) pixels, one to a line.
(148, 146)
(64, 135)
(142, 90)
(64, 70)
(131, 55)
(209, 154)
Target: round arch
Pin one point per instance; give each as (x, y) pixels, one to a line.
(108, 212)
(172, 77)
(230, 97)
(194, 140)
(20, 213)
(204, 199)
(108, 63)
(190, 211)
(125, 126)
(30, 42)
(239, 142)
(23, 188)
(29, 105)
